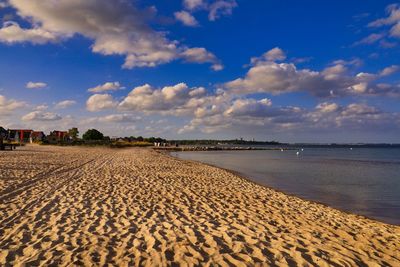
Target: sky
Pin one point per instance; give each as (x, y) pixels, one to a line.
(290, 70)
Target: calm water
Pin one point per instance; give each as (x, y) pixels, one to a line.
(365, 181)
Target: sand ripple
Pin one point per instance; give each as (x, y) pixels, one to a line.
(136, 207)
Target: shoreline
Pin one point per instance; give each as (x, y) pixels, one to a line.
(245, 177)
(138, 206)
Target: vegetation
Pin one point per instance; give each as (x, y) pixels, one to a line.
(92, 135)
(121, 144)
(73, 133)
(142, 139)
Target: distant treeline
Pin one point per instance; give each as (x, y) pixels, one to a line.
(222, 142)
(144, 139)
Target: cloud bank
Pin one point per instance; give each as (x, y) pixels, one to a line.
(116, 28)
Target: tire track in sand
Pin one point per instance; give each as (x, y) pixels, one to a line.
(66, 176)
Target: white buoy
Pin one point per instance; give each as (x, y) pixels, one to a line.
(297, 153)
(282, 149)
(302, 149)
(351, 148)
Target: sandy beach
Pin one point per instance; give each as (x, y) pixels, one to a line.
(137, 207)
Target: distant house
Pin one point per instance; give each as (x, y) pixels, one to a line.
(19, 135)
(58, 136)
(3, 132)
(37, 137)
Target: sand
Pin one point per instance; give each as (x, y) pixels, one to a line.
(138, 207)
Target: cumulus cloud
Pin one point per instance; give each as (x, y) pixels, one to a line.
(186, 18)
(275, 54)
(221, 110)
(268, 76)
(116, 28)
(9, 105)
(12, 33)
(41, 116)
(249, 107)
(35, 85)
(274, 78)
(260, 115)
(108, 86)
(98, 102)
(169, 99)
(64, 104)
(201, 55)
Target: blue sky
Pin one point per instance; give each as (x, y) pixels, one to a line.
(293, 71)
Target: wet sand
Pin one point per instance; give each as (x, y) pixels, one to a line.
(138, 207)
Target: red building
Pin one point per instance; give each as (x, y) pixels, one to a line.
(19, 135)
(37, 136)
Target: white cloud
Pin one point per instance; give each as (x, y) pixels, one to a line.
(273, 78)
(147, 99)
(392, 20)
(389, 28)
(116, 28)
(327, 107)
(253, 116)
(186, 18)
(176, 100)
(389, 70)
(124, 118)
(201, 55)
(395, 31)
(41, 107)
(41, 116)
(115, 118)
(370, 39)
(108, 86)
(250, 107)
(275, 54)
(11, 33)
(65, 104)
(215, 9)
(8, 106)
(393, 12)
(193, 4)
(36, 85)
(267, 76)
(98, 102)
(221, 8)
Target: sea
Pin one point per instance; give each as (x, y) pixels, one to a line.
(364, 181)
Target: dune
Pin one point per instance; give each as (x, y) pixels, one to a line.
(137, 207)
